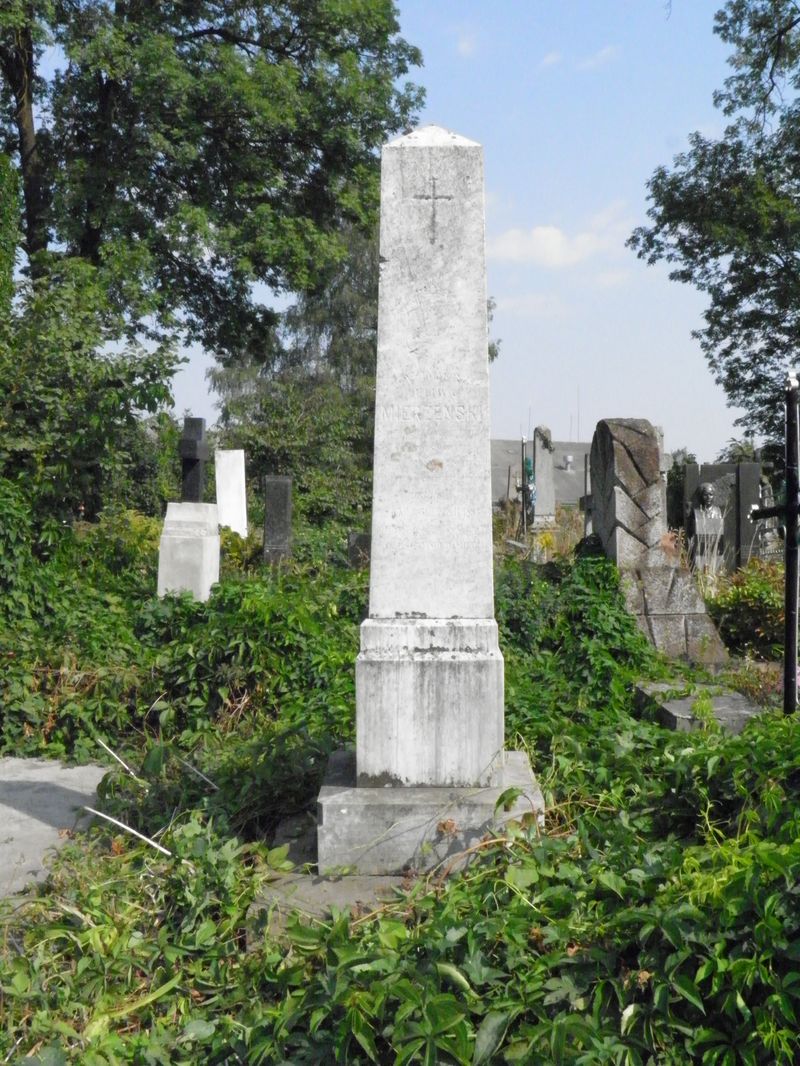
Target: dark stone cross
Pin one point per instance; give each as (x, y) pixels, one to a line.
(789, 511)
(194, 453)
(433, 197)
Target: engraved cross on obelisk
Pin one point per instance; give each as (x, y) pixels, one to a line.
(433, 196)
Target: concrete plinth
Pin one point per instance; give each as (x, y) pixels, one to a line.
(188, 554)
(389, 830)
(429, 699)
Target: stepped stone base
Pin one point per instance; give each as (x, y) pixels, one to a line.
(429, 702)
(670, 612)
(374, 830)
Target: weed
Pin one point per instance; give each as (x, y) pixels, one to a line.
(653, 920)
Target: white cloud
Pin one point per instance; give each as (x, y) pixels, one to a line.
(551, 59)
(532, 305)
(600, 59)
(545, 245)
(553, 248)
(466, 44)
(611, 279)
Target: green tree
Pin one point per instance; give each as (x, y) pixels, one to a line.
(308, 427)
(738, 451)
(9, 235)
(308, 410)
(71, 403)
(676, 479)
(189, 151)
(726, 215)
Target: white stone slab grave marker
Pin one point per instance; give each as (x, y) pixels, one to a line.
(429, 678)
(188, 553)
(544, 509)
(231, 489)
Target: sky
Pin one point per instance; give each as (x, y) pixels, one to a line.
(575, 102)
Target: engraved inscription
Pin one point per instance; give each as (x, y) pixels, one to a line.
(431, 378)
(431, 412)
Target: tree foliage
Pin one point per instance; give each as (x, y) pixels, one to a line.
(307, 411)
(726, 215)
(70, 404)
(9, 236)
(190, 151)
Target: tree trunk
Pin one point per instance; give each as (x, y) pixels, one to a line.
(17, 64)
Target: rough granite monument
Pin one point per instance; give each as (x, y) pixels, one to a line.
(231, 489)
(430, 761)
(628, 516)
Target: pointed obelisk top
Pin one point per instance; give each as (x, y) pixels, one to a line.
(431, 137)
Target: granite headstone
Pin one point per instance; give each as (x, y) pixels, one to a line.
(277, 518)
(545, 507)
(188, 555)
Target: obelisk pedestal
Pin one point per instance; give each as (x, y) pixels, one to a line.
(429, 762)
(188, 553)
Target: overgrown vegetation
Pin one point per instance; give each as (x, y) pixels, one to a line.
(654, 919)
(747, 606)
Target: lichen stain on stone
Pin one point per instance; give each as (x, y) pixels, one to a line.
(384, 780)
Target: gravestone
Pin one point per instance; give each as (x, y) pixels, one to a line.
(430, 760)
(193, 451)
(628, 516)
(231, 489)
(277, 518)
(188, 554)
(358, 549)
(736, 492)
(545, 507)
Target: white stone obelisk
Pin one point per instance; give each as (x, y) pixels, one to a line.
(429, 679)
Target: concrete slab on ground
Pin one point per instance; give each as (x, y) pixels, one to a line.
(40, 802)
(731, 710)
(314, 899)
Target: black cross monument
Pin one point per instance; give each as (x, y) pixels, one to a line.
(194, 453)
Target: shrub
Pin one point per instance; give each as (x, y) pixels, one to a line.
(747, 606)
